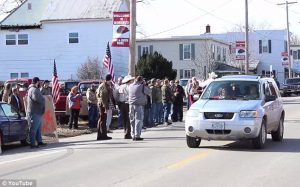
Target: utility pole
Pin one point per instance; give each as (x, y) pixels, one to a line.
(132, 40)
(247, 38)
(288, 33)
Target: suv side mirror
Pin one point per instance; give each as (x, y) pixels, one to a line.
(270, 98)
(196, 97)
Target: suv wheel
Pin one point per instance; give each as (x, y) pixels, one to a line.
(259, 142)
(192, 142)
(278, 134)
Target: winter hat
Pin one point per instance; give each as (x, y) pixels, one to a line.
(108, 77)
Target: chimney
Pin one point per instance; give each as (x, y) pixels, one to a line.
(207, 29)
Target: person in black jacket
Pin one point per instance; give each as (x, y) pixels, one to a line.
(15, 100)
(178, 103)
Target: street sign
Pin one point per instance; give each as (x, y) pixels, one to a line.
(285, 58)
(240, 50)
(121, 23)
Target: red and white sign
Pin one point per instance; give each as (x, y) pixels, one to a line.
(285, 58)
(240, 50)
(121, 24)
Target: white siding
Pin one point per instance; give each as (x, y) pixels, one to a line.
(51, 42)
(170, 50)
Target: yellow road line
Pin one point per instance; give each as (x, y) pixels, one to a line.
(189, 160)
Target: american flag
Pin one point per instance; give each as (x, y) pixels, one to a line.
(108, 64)
(55, 85)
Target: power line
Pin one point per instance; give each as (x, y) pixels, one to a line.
(190, 21)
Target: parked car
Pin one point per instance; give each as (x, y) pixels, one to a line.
(13, 127)
(291, 86)
(237, 108)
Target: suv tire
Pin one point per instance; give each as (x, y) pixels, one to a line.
(193, 142)
(259, 142)
(278, 134)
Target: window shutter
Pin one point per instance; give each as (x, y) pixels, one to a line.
(180, 51)
(151, 49)
(181, 74)
(260, 46)
(270, 46)
(298, 54)
(285, 45)
(139, 51)
(193, 51)
(193, 73)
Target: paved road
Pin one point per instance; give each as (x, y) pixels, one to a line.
(163, 159)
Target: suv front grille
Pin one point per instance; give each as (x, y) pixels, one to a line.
(218, 115)
(210, 131)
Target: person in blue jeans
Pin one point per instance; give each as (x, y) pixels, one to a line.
(35, 111)
(167, 99)
(92, 106)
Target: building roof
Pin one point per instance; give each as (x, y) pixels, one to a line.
(184, 38)
(62, 10)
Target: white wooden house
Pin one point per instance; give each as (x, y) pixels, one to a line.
(191, 56)
(69, 31)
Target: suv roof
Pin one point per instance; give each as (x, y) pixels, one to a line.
(240, 77)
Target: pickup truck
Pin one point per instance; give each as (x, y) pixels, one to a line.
(60, 106)
(291, 86)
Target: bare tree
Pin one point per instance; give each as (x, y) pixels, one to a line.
(295, 40)
(91, 69)
(9, 5)
(205, 60)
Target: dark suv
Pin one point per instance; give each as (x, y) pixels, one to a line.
(291, 86)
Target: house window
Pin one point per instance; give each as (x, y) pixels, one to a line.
(295, 55)
(186, 51)
(11, 39)
(145, 51)
(73, 37)
(24, 75)
(265, 46)
(29, 6)
(14, 75)
(187, 73)
(22, 39)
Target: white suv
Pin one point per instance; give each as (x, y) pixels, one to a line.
(236, 108)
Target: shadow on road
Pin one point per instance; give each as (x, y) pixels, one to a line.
(286, 146)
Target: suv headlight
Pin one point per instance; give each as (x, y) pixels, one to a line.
(193, 113)
(248, 114)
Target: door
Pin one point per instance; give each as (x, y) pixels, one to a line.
(4, 125)
(268, 106)
(276, 105)
(16, 127)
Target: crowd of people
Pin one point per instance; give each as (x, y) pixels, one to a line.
(139, 103)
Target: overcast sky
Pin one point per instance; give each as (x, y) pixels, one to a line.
(165, 18)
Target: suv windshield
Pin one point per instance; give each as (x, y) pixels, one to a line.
(232, 90)
(293, 81)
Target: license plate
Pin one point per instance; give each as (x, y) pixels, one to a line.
(218, 126)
